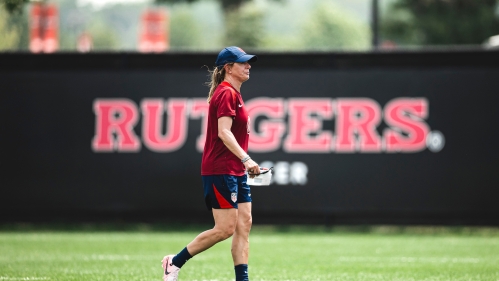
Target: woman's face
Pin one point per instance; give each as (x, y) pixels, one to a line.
(240, 71)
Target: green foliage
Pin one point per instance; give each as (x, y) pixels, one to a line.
(71, 21)
(9, 35)
(13, 6)
(20, 22)
(174, 1)
(243, 23)
(439, 22)
(330, 27)
(184, 30)
(227, 5)
(244, 27)
(104, 38)
(123, 20)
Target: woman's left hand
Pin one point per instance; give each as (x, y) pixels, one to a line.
(252, 168)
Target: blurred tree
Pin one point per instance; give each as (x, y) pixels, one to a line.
(330, 27)
(71, 23)
(184, 31)
(440, 22)
(124, 20)
(243, 23)
(227, 5)
(13, 6)
(104, 37)
(245, 26)
(9, 35)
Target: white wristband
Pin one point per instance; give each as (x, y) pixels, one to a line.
(246, 158)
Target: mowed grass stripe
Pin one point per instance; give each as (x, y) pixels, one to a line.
(113, 256)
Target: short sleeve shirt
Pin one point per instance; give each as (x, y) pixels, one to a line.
(217, 158)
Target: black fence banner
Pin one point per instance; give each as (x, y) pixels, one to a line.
(399, 137)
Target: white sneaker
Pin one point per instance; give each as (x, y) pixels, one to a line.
(170, 270)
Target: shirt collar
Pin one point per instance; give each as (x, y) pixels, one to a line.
(225, 83)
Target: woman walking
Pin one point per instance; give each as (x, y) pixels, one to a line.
(224, 165)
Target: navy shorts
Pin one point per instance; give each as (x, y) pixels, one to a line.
(225, 191)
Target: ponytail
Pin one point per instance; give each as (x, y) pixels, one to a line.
(217, 76)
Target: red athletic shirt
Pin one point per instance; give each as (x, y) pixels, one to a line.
(217, 158)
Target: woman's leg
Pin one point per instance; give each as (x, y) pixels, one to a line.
(225, 226)
(240, 242)
(240, 239)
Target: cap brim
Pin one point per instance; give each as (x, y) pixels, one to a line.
(247, 58)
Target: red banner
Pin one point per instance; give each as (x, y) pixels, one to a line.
(154, 31)
(44, 28)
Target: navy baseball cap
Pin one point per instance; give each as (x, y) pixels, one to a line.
(233, 54)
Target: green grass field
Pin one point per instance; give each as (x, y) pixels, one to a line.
(277, 253)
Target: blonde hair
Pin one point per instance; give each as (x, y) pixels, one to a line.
(217, 76)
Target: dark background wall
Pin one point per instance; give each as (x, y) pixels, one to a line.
(49, 171)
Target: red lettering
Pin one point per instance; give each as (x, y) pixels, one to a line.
(305, 125)
(408, 130)
(357, 120)
(356, 124)
(115, 116)
(199, 109)
(152, 110)
(269, 133)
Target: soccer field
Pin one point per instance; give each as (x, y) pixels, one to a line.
(299, 253)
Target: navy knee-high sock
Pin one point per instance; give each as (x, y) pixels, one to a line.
(181, 258)
(241, 272)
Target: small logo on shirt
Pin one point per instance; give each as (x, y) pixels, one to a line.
(240, 105)
(233, 197)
